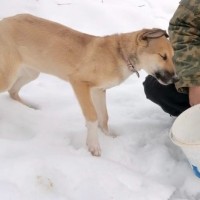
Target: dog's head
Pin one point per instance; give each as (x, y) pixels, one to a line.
(155, 55)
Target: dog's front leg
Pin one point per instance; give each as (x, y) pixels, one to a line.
(99, 101)
(82, 91)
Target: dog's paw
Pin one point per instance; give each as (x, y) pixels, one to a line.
(109, 133)
(94, 149)
(113, 135)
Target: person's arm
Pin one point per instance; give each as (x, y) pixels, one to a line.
(184, 32)
(194, 95)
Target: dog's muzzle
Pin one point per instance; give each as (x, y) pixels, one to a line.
(165, 77)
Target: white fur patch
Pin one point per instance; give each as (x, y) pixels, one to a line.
(92, 138)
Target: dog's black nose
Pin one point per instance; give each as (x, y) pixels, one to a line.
(166, 77)
(175, 79)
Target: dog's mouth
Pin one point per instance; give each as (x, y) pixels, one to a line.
(165, 77)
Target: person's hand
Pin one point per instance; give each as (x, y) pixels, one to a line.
(194, 95)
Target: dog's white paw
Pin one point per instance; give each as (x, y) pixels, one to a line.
(92, 138)
(94, 149)
(109, 133)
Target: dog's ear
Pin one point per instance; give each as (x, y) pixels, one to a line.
(154, 33)
(147, 34)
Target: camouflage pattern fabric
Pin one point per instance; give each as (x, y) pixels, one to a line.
(184, 34)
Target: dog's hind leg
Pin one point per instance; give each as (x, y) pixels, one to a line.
(5, 83)
(8, 75)
(24, 76)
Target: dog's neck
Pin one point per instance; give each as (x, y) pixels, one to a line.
(130, 62)
(129, 58)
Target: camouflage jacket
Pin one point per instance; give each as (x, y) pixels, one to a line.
(184, 33)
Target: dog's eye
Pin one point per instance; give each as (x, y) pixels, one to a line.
(164, 57)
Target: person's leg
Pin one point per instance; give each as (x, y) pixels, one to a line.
(166, 96)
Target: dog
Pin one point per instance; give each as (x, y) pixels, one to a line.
(30, 45)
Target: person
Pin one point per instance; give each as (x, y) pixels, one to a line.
(184, 35)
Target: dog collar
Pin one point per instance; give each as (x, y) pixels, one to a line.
(130, 65)
(132, 68)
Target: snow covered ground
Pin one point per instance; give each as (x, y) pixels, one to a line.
(42, 152)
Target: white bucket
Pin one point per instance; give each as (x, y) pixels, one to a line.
(185, 133)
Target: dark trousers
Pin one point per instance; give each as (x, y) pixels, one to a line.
(166, 96)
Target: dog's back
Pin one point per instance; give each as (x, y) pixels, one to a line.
(36, 38)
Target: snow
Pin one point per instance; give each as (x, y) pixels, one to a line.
(43, 155)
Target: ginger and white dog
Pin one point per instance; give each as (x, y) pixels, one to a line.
(30, 45)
